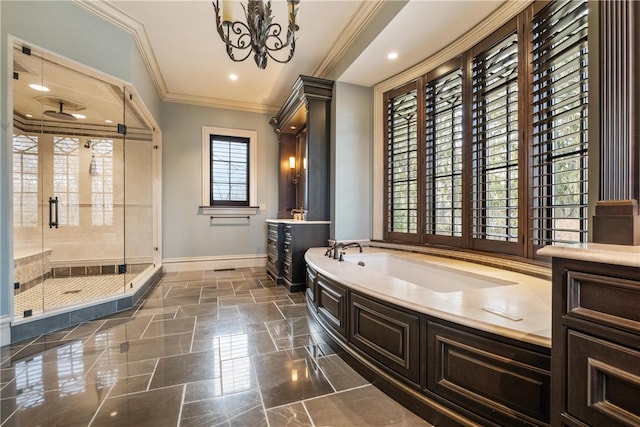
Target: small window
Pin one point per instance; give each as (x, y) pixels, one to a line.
(228, 168)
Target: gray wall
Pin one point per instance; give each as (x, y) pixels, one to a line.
(185, 233)
(351, 163)
(68, 30)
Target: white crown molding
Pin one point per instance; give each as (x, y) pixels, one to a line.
(367, 11)
(226, 104)
(505, 12)
(109, 12)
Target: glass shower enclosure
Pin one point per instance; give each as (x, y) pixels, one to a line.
(83, 176)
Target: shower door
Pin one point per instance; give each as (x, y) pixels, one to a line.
(68, 185)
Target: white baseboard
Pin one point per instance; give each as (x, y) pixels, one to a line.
(5, 330)
(172, 265)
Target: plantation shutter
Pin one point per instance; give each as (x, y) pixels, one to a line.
(402, 163)
(444, 155)
(495, 142)
(559, 154)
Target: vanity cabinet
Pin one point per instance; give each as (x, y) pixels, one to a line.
(287, 241)
(274, 251)
(596, 344)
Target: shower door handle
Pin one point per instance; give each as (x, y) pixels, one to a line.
(52, 202)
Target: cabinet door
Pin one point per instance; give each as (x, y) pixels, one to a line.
(500, 382)
(603, 382)
(332, 304)
(311, 286)
(388, 335)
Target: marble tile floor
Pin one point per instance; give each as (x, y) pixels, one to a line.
(203, 348)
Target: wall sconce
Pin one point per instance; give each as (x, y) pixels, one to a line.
(295, 177)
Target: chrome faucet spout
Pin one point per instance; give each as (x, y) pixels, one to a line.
(353, 245)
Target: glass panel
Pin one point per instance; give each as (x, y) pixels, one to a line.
(138, 191)
(68, 156)
(30, 208)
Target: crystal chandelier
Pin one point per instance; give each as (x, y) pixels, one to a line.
(259, 34)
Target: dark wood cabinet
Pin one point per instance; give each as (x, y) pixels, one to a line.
(596, 344)
(303, 125)
(387, 334)
(287, 242)
(502, 382)
(274, 251)
(331, 304)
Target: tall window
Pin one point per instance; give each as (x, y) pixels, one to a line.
(402, 163)
(444, 155)
(25, 181)
(495, 142)
(560, 124)
(229, 170)
(489, 151)
(101, 169)
(66, 178)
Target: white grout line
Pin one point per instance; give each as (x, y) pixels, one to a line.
(184, 392)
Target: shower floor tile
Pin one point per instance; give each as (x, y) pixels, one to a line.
(67, 291)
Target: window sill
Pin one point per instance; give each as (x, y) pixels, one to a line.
(228, 210)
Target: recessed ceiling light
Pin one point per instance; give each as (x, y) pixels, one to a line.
(293, 128)
(29, 115)
(392, 55)
(108, 121)
(39, 87)
(233, 77)
(79, 116)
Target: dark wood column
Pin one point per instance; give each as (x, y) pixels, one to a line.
(617, 219)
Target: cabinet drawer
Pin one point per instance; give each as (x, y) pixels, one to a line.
(607, 300)
(286, 269)
(331, 299)
(388, 335)
(501, 382)
(603, 382)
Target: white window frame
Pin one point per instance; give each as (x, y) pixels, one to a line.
(205, 206)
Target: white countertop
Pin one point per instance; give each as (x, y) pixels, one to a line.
(596, 252)
(296, 221)
(529, 298)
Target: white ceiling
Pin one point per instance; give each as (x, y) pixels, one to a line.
(189, 64)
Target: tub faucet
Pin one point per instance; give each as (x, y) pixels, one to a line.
(342, 247)
(353, 245)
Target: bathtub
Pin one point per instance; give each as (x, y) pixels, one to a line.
(456, 342)
(436, 278)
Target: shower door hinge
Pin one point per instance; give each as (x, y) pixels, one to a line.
(26, 50)
(122, 129)
(16, 285)
(16, 76)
